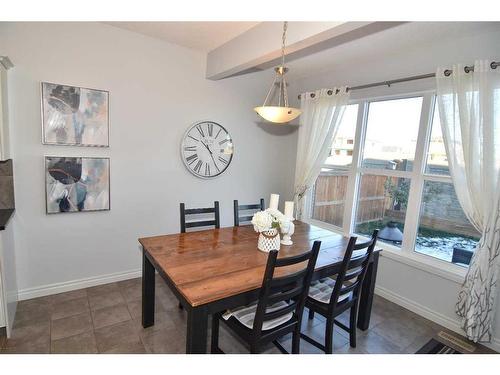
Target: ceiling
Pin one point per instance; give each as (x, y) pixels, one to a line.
(387, 44)
(201, 36)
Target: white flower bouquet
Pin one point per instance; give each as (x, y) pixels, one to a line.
(271, 218)
(268, 224)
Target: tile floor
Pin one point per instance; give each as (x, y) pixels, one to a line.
(107, 319)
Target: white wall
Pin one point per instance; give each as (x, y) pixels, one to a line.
(156, 91)
(428, 294)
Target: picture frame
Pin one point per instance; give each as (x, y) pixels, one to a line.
(77, 184)
(74, 115)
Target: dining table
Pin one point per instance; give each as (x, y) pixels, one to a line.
(211, 271)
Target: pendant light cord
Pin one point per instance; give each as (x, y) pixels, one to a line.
(282, 82)
(283, 43)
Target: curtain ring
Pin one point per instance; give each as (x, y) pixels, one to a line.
(494, 65)
(468, 69)
(448, 72)
(313, 95)
(329, 92)
(337, 91)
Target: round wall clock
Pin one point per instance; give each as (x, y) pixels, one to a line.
(206, 149)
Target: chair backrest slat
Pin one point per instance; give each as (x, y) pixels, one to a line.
(280, 312)
(196, 211)
(357, 261)
(291, 289)
(348, 288)
(353, 274)
(245, 207)
(244, 219)
(353, 270)
(288, 261)
(364, 245)
(203, 223)
(283, 281)
(284, 296)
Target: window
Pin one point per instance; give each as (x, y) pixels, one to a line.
(444, 232)
(331, 186)
(381, 204)
(389, 150)
(437, 162)
(391, 134)
(395, 178)
(329, 196)
(344, 139)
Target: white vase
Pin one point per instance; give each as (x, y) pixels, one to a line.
(287, 234)
(269, 240)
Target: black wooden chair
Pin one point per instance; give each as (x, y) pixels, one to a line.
(330, 298)
(279, 309)
(245, 207)
(199, 223)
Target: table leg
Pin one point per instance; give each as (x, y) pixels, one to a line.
(367, 292)
(148, 292)
(197, 326)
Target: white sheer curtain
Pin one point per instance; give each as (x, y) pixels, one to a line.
(322, 112)
(469, 108)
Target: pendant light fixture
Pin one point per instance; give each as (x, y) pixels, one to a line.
(281, 112)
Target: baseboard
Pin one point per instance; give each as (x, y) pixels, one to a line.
(67, 286)
(424, 311)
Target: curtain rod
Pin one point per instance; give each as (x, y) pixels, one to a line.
(447, 73)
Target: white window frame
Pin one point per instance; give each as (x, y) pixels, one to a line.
(406, 253)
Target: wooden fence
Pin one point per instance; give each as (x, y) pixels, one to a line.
(330, 195)
(374, 204)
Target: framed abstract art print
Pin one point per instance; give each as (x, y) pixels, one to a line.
(76, 184)
(74, 116)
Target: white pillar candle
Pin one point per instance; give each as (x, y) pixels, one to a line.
(289, 209)
(274, 201)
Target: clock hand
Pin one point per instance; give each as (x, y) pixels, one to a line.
(218, 170)
(206, 146)
(211, 155)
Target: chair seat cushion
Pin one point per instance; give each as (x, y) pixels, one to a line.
(321, 290)
(246, 315)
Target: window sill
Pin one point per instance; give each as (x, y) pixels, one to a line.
(426, 263)
(423, 262)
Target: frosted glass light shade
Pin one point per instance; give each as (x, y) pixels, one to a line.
(278, 114)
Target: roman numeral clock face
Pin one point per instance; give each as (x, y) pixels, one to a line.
(207, 149)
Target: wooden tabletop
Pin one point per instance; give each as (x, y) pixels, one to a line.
(209, 265)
